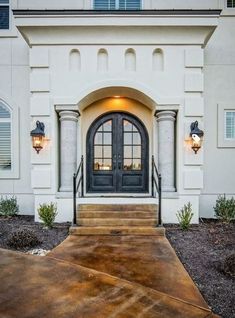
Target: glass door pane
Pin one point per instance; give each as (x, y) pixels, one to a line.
(131, 146)
(103, 147)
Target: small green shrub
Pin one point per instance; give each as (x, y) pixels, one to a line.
(225, 208)
(8, 206)
(47, 213)
(184, 216)
(22, 239)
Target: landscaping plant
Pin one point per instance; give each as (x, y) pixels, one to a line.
(229, 265)
(47, 213)
(22, 239)
(9, 206)
(225, 208)
(184, 216)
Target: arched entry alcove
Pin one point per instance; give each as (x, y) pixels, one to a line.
(117, 151)
(112, 100)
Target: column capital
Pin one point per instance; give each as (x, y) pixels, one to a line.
(165, 115)
(68, 115)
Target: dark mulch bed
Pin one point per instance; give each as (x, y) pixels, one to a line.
(203, 250)
(49, 237)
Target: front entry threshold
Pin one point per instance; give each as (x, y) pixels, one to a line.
(118, 195)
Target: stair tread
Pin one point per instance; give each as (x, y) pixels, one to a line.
(117, 230)
(116, 217)
(117, 207)
(114, 227)
(134, 219)
(117, 211)
(116, 222)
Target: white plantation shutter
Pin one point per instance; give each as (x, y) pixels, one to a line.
(104, 5)
(129, 4)
(230, 124)
(117, 4)
(5, 138)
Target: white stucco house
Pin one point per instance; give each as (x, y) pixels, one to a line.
(117, 83)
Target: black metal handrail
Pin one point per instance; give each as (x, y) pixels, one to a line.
(77, 182)
(157, 183)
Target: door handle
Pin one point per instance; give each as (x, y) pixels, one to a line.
(119, 165)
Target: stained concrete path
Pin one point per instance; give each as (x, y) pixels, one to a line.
(147, 260)
(106, 276)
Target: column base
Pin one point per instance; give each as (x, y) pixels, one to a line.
(168, 189)
(65, 189)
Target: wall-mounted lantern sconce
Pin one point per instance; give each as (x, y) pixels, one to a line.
(38, 135)
(196, 135)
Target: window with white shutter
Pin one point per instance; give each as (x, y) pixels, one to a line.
(5, 137)
(4, 14)
(117, 4)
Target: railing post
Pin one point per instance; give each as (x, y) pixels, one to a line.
(82, 176)
(74, 200)
(152, 176)
(160, 200)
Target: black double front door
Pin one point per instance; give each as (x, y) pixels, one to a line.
(117, 154)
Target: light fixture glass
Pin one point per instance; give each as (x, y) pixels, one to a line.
(38, 135)
(196, 135)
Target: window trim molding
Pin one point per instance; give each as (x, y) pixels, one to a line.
(14, 172)
(222, 142)
(11, 32)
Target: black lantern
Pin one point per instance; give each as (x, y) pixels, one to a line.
(38, 135)
(196, 135)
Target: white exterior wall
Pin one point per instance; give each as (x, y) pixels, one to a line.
(14, 90)
(219, 168)
(49, 83)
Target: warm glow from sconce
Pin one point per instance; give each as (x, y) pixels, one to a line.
(116, 96)
(187, 144)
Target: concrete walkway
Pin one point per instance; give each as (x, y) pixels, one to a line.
(99, 276)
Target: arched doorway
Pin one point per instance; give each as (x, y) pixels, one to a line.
(117, 154)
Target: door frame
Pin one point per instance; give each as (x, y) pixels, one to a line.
(144, 160)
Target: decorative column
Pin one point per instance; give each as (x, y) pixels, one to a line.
(166, 149)
(68, 148)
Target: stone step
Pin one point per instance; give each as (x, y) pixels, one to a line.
(117, 207)
(114, 230)
(117, 214)
(89, 222)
